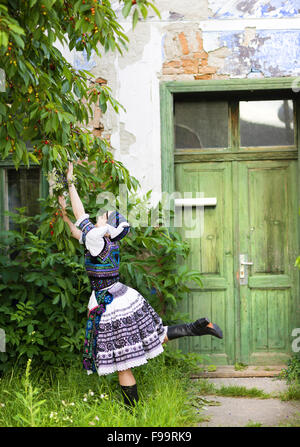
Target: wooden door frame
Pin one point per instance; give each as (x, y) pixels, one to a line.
(167, 92)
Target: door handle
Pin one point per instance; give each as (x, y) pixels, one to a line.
(243, 270)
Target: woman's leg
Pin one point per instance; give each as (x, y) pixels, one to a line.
(126, 378)
(166, 337)
(128, 387)
(200, 327)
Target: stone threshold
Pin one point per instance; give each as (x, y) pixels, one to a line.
(247, 371)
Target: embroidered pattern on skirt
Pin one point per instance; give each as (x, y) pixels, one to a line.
(118, 289)
(103, 298)
(127, 333)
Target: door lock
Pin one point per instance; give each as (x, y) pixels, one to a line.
(243, 269)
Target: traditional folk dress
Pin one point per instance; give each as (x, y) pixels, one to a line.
(123, 330)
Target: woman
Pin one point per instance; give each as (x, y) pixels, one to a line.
(123, 331)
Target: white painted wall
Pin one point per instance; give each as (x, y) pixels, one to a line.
(135, 77)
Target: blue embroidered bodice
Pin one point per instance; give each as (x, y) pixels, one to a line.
(103, 270)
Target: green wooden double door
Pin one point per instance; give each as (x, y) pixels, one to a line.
(255, 221)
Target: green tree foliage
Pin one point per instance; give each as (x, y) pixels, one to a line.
(43, 111)
(46, 102)
(44, 291)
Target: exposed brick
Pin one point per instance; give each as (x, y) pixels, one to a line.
(200, 54)
(101, 81)
(172, 64)
(191, 61)
(183, 43)
(97, 116)
(190, 65)
(201, 57)
(202, 77)
(97, 132)
(206, 70)
(172, 71)
(172, 67)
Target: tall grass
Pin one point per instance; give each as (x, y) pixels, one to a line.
(292, 377)
(205, 388)
(63, 397)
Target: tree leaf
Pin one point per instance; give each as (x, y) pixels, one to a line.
(135, 18)
(3, 39)
(126, 9)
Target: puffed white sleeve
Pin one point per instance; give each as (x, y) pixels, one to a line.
(91, 235)
(117, 233)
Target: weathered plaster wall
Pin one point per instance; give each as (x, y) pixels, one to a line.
(242, 9)
(195, 39)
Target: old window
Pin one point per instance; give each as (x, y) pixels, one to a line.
(266, 123)
(194, 121)
(233, 121)
(20, 188)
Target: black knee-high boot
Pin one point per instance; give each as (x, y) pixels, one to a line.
(199, 327)
(130, 395)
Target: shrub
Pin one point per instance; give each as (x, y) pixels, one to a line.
(45, 289)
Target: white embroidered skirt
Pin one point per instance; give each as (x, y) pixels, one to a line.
(129, 332)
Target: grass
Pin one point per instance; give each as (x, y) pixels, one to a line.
(206, 388)
(242, 391)
(70, 398)
(292, 393)
(292, 377)
(240, 366)
(253, 424)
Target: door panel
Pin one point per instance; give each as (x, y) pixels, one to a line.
(268, 217)
(211, 254)
(255, 215)
(268, 235)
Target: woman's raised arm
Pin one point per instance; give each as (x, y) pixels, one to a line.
(76, 203)
(76, 233)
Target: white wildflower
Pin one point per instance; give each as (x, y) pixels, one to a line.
(2, 405)
(97, 418)
(84, 399)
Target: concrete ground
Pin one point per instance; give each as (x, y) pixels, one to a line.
(220, 411)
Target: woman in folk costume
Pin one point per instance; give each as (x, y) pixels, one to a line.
(123, 330)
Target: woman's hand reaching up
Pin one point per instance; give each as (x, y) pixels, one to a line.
(63, 204)
(70, 171)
